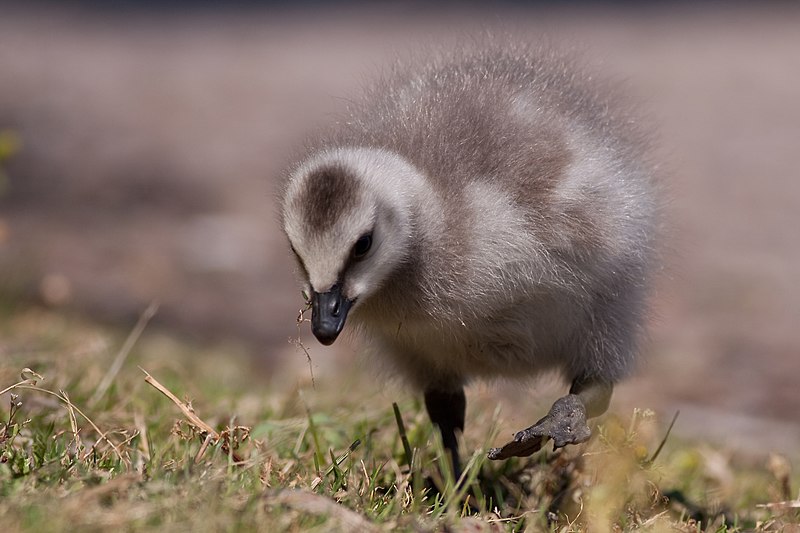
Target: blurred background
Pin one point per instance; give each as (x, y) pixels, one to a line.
(140, 145)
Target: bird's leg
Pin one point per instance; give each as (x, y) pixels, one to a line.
(565, 423)
(446, 410)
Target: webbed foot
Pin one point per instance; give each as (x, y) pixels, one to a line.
(565, 424)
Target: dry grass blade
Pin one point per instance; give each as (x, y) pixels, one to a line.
(187, 411)
(196, 421)
(141, 428)
(202, 451)
(663, 441)
(29, 377)
(102, 437)
(793, 504)
(299, 343)
(123, 353)
(73, 422)
(72, 406)
(29, 381)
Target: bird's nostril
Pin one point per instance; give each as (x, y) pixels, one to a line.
(335, 308)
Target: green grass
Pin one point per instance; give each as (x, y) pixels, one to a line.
(82, 448)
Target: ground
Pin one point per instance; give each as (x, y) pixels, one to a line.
(226, 453)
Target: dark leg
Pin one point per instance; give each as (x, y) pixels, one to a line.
(446, 410)
(595, 395)
(565, 423)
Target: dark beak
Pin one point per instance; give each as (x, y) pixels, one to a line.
(328, 313)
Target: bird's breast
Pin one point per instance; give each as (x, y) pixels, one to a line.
(508, 344)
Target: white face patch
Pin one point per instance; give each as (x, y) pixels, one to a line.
(389, 188)
(327, 254)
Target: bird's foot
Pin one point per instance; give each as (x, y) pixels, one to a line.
(565, 424)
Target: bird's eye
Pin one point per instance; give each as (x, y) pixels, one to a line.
(362, 246)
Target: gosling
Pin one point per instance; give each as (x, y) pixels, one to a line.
(484, 214)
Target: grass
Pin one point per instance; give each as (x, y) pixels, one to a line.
(90, 441)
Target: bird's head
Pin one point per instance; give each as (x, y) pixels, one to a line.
(349, 226)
